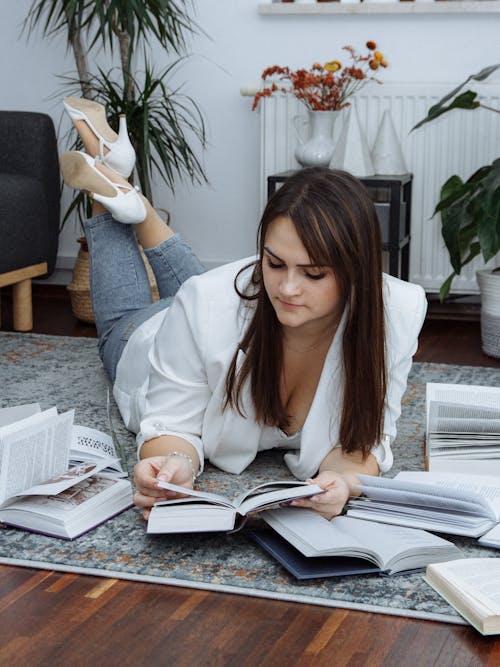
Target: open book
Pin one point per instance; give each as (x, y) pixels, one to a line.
(444, 502)
(472, 586)
(85, 444)
(391, 548)
(463, 428)
(206, 512)
(42, 456)
(73, 511)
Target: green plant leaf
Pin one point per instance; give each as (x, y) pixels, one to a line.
(454, 219)
(470, 215)
(452, 190)
(465, 101)
(445, 287)
(488, 212)
(169, 21)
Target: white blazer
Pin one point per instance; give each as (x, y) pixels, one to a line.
(171, 376)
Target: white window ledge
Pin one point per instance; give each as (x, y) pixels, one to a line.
(408, 7)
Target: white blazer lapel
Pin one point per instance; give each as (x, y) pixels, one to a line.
(232, 440)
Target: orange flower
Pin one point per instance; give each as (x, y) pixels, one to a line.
(378, 56)
(371, 45)
(384, 63)
(333, 66)
(374, 64)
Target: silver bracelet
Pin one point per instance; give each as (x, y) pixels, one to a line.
(188, 458)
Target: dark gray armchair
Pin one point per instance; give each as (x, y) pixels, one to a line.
(29, 205)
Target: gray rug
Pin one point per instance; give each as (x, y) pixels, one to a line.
(66, 372)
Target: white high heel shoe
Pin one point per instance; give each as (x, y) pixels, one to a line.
(120, 157)
(122, 200)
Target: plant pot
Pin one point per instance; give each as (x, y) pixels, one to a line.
(79, 288)
(489, 284)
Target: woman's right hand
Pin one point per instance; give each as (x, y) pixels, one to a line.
(148, 472)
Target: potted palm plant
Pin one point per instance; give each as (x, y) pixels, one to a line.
(162, 122)
(470, 217)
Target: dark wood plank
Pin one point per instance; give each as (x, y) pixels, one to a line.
(59, 619)
(453, 342)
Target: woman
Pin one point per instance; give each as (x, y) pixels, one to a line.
(306, 348)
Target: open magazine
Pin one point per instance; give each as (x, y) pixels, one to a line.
(463, 428)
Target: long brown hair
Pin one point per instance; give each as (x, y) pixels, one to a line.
(336, 221)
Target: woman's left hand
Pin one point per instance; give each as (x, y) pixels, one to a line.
(331, 503)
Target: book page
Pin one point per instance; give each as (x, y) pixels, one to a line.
(266, 487)
(276, 494)
(69, 478)
(479, 578)
(16, 412)
(446, 404)
(486, 486)
(91, 444)
(34, 450)
(67, 499)
(212, 497)
(432, 489)
(258, 499)
(462, 419)
(492, 537)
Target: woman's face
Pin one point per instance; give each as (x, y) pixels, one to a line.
(304, 296)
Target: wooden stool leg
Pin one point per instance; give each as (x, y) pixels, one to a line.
(23, 306)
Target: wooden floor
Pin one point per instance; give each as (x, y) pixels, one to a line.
(54, 619)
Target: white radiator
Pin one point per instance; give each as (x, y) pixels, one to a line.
(458, 143)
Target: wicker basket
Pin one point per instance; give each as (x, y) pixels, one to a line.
(489, 284)
(79, 288)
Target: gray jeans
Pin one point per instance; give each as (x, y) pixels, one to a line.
(119, 285)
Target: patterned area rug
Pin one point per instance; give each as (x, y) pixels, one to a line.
(66, 372)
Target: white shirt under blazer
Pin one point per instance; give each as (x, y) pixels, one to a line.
(171, 376)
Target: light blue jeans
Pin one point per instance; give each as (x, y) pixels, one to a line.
(119, 285)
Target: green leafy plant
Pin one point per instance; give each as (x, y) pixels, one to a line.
(469, 210)
(162, 121)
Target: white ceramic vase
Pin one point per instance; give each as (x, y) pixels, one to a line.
(316, 149)
(489, 284)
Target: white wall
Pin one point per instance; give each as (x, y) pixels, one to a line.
(220, 219)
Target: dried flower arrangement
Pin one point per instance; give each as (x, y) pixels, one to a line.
(324, 87)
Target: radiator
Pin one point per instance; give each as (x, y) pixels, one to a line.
(458, 143)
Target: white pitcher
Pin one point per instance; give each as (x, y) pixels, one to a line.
(317, 149)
